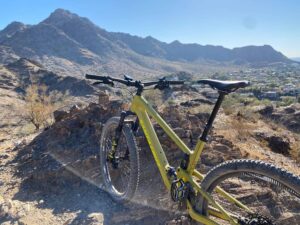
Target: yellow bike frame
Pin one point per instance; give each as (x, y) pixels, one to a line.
(143, 110)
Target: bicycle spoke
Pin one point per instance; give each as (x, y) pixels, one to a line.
(263, 198)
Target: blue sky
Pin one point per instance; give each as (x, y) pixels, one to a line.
(230, 23)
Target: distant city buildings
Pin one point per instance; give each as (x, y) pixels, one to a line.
(273, 82)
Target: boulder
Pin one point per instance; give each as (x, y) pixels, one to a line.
(266, 110)
(279, 145)
(276, 143)
(59, 115)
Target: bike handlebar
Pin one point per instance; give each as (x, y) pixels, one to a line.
(160, 84)
(107, 79)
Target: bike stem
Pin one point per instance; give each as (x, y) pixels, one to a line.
(212, 116)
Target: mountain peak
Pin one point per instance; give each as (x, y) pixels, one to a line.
(176, 42)
(62, 13)
(15, 24)
(59, 16)
(11, 29)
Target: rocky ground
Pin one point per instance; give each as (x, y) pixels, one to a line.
(53, 177)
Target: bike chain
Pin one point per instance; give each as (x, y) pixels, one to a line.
(256, 219)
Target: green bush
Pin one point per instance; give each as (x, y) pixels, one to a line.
(286, 101)
(233, 102)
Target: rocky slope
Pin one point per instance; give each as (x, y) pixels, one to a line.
(19, 74)
(16, 77)
(68, 43)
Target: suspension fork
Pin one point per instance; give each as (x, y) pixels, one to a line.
(118, 132)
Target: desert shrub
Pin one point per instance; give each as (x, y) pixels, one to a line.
(205, 108)
(241, 127)
(234, 102)
(40, 105)
(248, 114)
(265, 102)
(255, 102)
(286, 101)
(230, 102)
(171, 102)
(201, 109)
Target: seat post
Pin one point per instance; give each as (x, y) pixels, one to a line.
(212, 116)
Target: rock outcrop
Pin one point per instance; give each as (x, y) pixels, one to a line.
(277, 144)
(288, 116)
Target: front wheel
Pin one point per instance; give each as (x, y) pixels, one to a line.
(271, 193)
(119, 165)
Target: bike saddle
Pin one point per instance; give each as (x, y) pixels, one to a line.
(225, 86)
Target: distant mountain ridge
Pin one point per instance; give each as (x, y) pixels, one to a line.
(24, 72)
(66, 40)
(296, 59)
(190, 52)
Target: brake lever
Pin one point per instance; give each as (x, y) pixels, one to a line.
(162, 79)
(97, 82)
(128, 78)
(101, 82)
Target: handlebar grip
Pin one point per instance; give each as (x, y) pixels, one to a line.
(105, 80)
(174, 82)
(95, 77)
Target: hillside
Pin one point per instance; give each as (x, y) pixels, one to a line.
(16, 77)
(54, 176)
(68, 43)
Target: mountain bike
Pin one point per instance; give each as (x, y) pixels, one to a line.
(241, 191)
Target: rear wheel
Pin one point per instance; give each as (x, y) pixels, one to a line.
(119, 167)
(271, 193)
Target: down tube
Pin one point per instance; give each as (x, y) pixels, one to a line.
(155, 146)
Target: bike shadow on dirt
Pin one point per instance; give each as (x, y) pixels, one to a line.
(49, 185)
(60, 170)
(86, 199)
